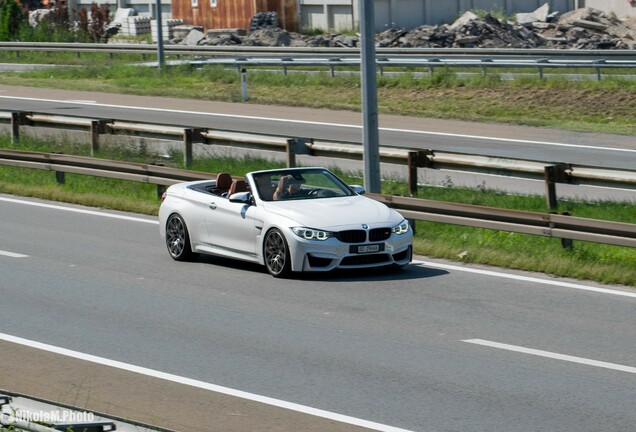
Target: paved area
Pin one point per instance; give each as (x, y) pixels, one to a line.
(144, 399)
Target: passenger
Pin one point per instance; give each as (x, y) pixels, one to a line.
(264, 186)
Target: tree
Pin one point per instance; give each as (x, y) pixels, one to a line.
(10, 19)
(95, 26)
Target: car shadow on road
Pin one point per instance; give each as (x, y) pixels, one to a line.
(410, 272)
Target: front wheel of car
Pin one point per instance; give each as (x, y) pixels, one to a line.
(178, 239)
(276, 254)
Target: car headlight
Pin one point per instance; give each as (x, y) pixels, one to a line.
(311, 234)
(402, 228)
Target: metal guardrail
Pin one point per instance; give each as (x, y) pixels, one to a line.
(428, 58)
(550, 173)
(430, 64)
(535, 223)
(254, 51)
(144, 173)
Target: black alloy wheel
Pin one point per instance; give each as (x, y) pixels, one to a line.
(276, 254)
(178, 239)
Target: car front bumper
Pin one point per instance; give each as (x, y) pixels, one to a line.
(331, 254)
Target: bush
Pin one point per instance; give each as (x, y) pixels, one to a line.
(10, 19)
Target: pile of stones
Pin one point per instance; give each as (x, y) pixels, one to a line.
(584, 28)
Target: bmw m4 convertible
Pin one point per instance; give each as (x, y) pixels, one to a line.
(289, 220)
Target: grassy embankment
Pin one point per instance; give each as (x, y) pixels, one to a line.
(608, 106)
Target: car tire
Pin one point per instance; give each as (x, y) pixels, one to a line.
(276, 254)
(178, 239)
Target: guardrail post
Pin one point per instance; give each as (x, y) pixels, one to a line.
(567, 243)
(17, 119)
(187, 148)
(553, 174)
(296, 146)
(60, 177)
(540, 68)
(244, 85)
(416, 159)
(97, 127)
(15, 128)
(598, 69)
(190, 135)
(550, 184)
(484, 66)
(332, 68)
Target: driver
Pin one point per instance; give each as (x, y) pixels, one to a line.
(287, 188)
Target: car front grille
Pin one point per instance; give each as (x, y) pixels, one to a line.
(352, 236)
(379, 234)
(360, 236)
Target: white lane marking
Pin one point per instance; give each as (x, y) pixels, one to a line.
(201, 384)
(77, 210)
(82, 102)
(474, 137)
(519, 141)
(13, 254)
(526, 278)
(552, 355)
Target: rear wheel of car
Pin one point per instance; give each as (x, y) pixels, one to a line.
(178, 239)
(276, 254)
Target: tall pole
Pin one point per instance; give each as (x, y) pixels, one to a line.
(370, 138)
(160, 57)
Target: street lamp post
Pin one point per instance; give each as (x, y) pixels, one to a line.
(160, 56)
(369, 98)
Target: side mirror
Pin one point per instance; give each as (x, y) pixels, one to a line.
(358, 189)
(241, 197)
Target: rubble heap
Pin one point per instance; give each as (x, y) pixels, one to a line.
(584, 28)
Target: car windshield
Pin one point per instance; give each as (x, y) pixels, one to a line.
(299, 185)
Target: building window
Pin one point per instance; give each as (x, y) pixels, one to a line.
(213, 3)
(195, 3)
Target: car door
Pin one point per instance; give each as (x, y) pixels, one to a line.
(231, 227)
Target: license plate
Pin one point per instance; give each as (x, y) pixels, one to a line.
(368, 248)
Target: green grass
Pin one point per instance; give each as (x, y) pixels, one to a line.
(603, 263)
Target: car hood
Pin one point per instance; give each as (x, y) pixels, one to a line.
(335, 213)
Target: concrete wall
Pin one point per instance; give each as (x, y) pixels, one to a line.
(622, 8)
(413, 13)
(409, 14)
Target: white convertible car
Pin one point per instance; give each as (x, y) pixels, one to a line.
(290, 220)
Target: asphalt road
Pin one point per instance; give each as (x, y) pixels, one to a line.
(437, 347)
(505, 141)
